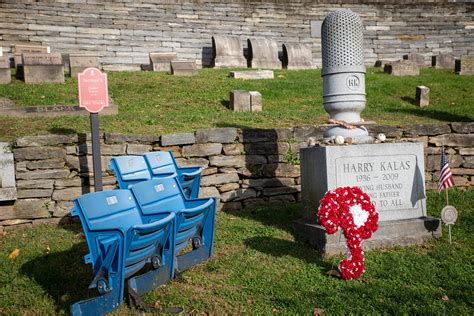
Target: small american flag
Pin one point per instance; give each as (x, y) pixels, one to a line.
(446, 177)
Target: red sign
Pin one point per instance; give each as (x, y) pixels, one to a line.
(93, 90)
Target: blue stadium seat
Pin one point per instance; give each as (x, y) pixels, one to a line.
(195, 218)
(162, 164)
(129, 170)
(124, 246)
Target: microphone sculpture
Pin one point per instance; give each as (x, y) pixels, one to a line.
(343, 74)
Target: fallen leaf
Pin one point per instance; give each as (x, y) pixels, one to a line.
(317, 311)
(275, 310)
(441, 289)
(15, 253)
(334, 273)
(48, 250)
(157, 304)
(249, 301)
(445, 298)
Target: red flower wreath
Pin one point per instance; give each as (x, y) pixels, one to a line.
(349, 208)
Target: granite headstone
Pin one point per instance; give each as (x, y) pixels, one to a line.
(252, 74)
(465, 66)
(7, 174)
(183, 67)
(161, 61)
(79, 62)
(402, 68)
(43, 68)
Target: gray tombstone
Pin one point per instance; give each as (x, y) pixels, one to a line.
(255, 101)
(416, 58)
(263, 53)
(227, 51)
(297, 56)
(392, 174)
(5, 74)
(183, 67)
(240, 101)
(7, 174)
(79, 62)
(402, 68)
(252, 74)
(444, 61)
(422, 97)
(1, 51)
(465, 66)
(162, 61)
(43, 68)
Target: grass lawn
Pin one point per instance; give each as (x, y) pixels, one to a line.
(157, 103)
(258, 268)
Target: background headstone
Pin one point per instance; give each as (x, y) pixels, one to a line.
(43, 68)
(240, 101)
(297, 56)
(161, 61)
(255, 101)
(402, 68)
(1, 51)
(444, 61)
(79, 62)
(23, 49)
(5, 74)
(416, 58)
(466, 66)
(422, 98)
(263, 53)
(227, 51)
(252, 74)
(183, 67)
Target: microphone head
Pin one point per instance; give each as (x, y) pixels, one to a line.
(342, 40)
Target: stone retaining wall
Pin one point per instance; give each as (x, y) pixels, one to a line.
(243, 167)
(123, 32)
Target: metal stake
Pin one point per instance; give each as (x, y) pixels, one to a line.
(96, 157)
(449, 230)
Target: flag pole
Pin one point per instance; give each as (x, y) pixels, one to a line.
(447, 199)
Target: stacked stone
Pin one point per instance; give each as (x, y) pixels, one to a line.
(242, 167)
(128, 30)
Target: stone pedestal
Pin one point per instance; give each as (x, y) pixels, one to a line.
(7, 175)
(252, 74)
(392, 174)
(444, 61)
(389, 234)
(416, 58)
(240, 101)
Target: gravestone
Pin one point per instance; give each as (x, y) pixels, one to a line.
(444, 61)
(23, 49)
(252, 74)
(263, 53)
(240, 101)
(79, 62)
(297, 56)
(5, 74)
(7, 174)
(43, 68)
(465, 66)
(392, 174)
(227, 51)
(183, 67)
(422, 97)
(255, 101)
(161, 61)
(416, 58)
(1, 51)
(402, 68)
(245, 101)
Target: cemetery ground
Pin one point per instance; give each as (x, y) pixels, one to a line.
(157, 103)
(258, 268)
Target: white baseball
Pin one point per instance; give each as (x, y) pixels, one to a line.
(339, 140)
(381, 137)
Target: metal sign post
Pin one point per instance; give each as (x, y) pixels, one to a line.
(94, 96)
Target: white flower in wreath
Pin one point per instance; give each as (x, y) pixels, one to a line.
(359, 215)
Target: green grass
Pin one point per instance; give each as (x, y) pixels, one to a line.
(258, 268)
(157, 103)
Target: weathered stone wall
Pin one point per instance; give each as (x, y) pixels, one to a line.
(243, 167)
(123, 32)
